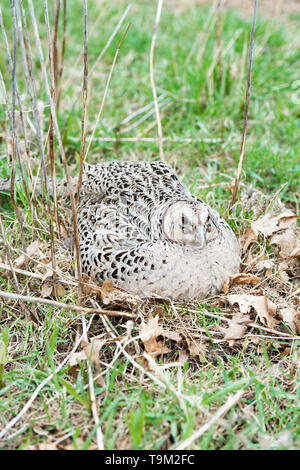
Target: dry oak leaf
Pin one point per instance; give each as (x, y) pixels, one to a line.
(89, 288)
(291, 317)
(90, 351)
(30, 251)
(264, 307)
(47, 288)
(240, 279)
(269, 224)
(286, 239)
(149, 333)
(247, 238)
(111, 295)
(237, 328)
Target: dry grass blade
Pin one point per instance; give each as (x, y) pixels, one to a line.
(106, 90)
(94, 409)
(159, 128)
(242, 149)
(102, 53)
(216, 417)
(110, 39)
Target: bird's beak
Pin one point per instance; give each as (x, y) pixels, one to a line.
(201, 235)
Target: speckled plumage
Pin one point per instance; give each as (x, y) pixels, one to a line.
(139, 226)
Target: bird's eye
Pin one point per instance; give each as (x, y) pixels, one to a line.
(208, 226)
(184, 221)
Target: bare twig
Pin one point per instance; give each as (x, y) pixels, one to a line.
(153, 139)
(52, 59)
(53, 303)
(35, 275)
(14, 136)
(136, 113)
(242, 149)
(145, 117)
(62, 57)
(54, 42)
(99, 434)
(159, 128)
(219, 38)
(84, 100)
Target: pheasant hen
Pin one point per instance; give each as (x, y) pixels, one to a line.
(141, 228)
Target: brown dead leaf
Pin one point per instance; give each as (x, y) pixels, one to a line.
(90, 351)
(47, 269)
(60, 290)
(47, 288)
(89, 288)
(240, 279)
(286, 239)
(30, 251)
(264, 265)
(236, 329)
(173, 335)
(42, 446)
(291, 317)
(112, 295)
(149, 333)
(196, 348)
(247, 238)
(264, 307)
(281, 229)
(183, 357)
(296, 253)
(269, 224)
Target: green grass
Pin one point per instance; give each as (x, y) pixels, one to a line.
(134, 412)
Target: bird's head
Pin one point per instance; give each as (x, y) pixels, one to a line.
(189, 223)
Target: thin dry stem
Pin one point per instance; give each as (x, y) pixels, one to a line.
(106, 90)
(58, 136)
(53, 303)
(101, 54)
(84, 101)
(94, 409)
(242, 149)
(154, 139)
(62, 56)
(159, 128)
